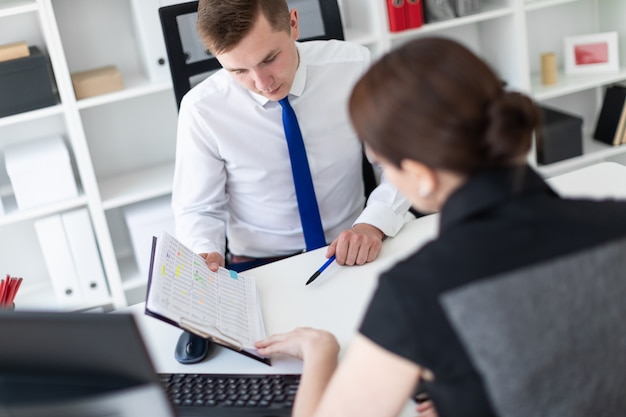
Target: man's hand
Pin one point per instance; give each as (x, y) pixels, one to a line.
(357, 246)
(213, 260)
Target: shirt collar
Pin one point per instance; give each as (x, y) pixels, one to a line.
(488, 189)
(299, 81)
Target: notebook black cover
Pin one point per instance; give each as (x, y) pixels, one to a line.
(218, 341)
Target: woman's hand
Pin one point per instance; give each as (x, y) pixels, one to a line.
(303, 343)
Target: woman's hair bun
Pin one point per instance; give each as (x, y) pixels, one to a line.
(512, 118)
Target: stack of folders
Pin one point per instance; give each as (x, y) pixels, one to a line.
(71, 255)
(411, 14)
(611, 122)
(404, 14)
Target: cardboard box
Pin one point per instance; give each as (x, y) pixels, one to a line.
(560, 136)
(144, 220)
(40, 172)
(14, 50)
(25, 84)
(97, 81)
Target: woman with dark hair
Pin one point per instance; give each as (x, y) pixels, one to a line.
(454, 141)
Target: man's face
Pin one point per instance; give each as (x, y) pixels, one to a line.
(265, 61)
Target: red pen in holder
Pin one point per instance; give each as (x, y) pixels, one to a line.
(8, 290)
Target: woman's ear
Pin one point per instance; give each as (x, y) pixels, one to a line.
(423, 176)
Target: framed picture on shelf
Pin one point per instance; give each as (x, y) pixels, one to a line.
(586, 54)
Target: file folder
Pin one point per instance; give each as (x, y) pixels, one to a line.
(397, 15)
(85, 256)
(58, 258)
(414, 13)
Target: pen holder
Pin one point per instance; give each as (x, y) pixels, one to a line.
(7, 306)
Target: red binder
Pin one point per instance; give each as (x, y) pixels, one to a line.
(397, 15)
(414, 13)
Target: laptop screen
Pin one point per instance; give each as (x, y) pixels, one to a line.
(65, 359)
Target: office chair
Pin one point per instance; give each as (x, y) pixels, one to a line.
(550, 339)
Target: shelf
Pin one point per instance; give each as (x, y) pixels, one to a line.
(131, 279)
(134, 86)
(542, 4)
(137, 186)
(15, 7)
(31, 115)
(490, 11)
(39, 297)
(15, 215)
(573, 84)
(593, 151)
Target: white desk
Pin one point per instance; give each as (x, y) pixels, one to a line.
(337, 299)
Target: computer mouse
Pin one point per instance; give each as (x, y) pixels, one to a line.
(191, 348)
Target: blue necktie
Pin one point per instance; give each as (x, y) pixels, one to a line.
(305, 193)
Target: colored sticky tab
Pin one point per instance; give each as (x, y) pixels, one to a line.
(233, 274)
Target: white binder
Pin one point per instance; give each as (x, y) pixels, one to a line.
(85, 256)
(150, 36)
(58, 258)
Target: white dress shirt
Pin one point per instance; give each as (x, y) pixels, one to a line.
(233, 174)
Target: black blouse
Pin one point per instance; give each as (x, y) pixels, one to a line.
(496, 222)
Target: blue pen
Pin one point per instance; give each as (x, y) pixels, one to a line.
(319, 271)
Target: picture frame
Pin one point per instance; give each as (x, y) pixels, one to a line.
(593, 53)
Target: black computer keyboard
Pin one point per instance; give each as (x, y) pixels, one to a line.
(231, 395)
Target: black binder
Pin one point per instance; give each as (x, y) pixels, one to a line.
(611, 120)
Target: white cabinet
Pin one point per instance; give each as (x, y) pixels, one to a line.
(122, 144)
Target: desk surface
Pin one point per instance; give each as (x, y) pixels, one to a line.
(337, 300)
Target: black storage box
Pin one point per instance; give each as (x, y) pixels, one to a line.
(560, 136)
(25, 84)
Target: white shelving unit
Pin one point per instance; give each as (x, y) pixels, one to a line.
(122, 144)
(511, 35)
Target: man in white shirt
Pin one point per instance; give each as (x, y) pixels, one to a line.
(233, 179)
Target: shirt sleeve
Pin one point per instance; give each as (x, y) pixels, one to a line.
(386, 208)
(199, 200)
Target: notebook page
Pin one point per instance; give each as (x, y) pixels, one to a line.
(223, 304)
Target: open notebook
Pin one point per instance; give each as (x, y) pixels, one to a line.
(222, 306)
